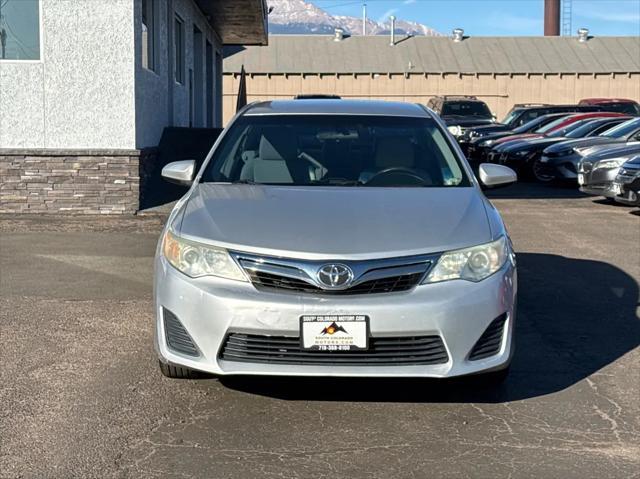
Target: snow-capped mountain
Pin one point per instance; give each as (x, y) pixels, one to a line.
(301, 17)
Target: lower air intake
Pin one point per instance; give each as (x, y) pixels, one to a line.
(490, 341)
(177, 337)
(392, 351)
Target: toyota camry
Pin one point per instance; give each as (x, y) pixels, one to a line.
(326, 237)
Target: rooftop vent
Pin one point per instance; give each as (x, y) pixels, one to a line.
(338, 35)
(583, 35)
(458, 34)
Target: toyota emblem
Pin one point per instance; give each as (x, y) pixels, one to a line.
(335, 276)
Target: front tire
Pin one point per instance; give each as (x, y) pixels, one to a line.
(179, 372)
(537, 172)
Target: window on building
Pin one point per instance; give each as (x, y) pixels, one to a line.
(19, 30)
(148, 34)
(178, 49)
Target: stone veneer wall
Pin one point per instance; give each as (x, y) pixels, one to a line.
(73, 181)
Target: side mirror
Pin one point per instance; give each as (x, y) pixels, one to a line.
(493, 176)
(180, 172)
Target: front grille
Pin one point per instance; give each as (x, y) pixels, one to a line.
(391, 284)
(287, 275)
(177, 337)
(490, 341)
(390, 351)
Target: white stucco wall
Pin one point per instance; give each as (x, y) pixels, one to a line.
(89, 89)
(160, 100)
(80, 94)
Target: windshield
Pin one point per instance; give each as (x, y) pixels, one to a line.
(511, 116)
(589, 127)
(466, 108)
(566, 130)
(537, 123)
(336, 150)
(623, 129)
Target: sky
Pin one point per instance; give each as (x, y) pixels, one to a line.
(497, 17)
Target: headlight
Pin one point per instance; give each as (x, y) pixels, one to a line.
(522, 153)
(487, 142)
(455, 130)
(608, 164)
(195, 259)
(471, 264)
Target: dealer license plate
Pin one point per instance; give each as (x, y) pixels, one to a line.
(580, 179)
(334, 332)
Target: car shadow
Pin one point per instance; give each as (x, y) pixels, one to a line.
(574, 318)
(607, 202)
(530, 190)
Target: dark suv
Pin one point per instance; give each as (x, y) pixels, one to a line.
(461, 112)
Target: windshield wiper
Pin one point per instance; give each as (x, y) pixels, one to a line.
(243, 182)
(337, 182)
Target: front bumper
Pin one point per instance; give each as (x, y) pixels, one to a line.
(563, 168)
(598, 182)
(627, 187)
(458, 311)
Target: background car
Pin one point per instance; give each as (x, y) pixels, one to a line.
(563, 158)
(545, 169)
(627, 183)
(461, 112)
(523, 154)
(523, 113)
(557, 128)
(478, 145)
(621, 105)
(597, 172)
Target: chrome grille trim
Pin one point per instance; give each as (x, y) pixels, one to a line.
(300, 275)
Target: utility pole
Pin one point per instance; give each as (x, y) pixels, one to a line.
(364, 18)
(3, 36)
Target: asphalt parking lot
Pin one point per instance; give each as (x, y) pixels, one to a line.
(82, 395)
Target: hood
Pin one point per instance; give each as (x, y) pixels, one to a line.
(482, 131)
(509, 142)
(490, 136)
(492, 128)
(335, 222)
(579, 143)
(533, 144)
(522, 136)
(466, 121)
(591, 149)
(625, 150)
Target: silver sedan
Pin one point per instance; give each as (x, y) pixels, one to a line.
(326, 237)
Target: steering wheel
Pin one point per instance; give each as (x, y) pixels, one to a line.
(381, 177)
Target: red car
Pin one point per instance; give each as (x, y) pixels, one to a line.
(620, 105)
